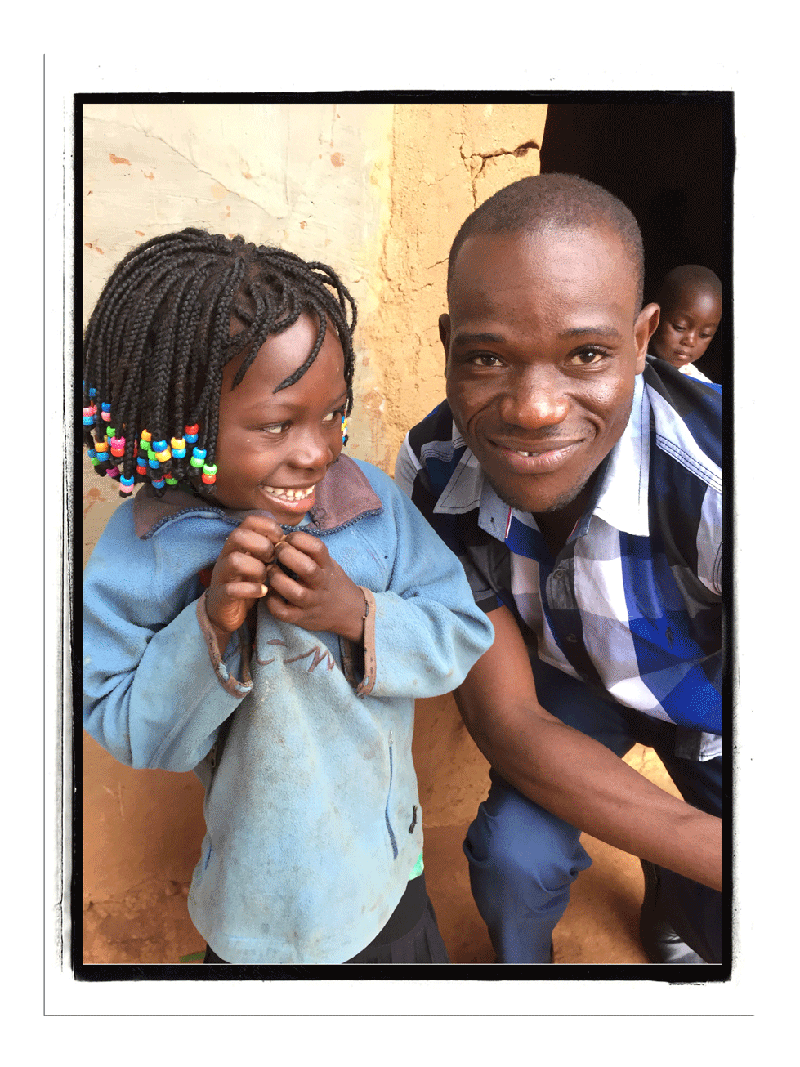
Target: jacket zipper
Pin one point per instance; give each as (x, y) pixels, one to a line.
(392, 838)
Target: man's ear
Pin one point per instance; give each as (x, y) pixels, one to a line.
(444, 335)
(643, 330)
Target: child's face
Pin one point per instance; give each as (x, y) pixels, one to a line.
(686, 326)
(273, 449)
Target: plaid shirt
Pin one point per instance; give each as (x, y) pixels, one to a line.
(633, 603)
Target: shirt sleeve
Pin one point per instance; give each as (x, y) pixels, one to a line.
(153, 695)
(483, 559)
(425, 632)
(406, 468)
(709, 542)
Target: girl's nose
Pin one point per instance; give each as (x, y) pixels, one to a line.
(312, 449)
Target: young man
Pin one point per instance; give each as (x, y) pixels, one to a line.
(580, 485)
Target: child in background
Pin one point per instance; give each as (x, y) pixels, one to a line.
(265, 610)
(690, 299)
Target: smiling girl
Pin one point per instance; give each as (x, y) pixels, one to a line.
(265, 610)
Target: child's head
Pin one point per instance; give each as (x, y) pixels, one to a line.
(195, 339)
(690, 299)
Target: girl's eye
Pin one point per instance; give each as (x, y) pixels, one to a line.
(334, 416)
(276, 428)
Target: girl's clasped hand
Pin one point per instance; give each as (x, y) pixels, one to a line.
(317, 595)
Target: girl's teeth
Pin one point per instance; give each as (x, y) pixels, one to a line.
(290, 494)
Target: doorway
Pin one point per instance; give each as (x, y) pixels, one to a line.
(670, 158)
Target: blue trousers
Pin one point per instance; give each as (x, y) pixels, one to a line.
(523, 860)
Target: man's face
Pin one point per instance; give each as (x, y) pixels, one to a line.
(543, 344)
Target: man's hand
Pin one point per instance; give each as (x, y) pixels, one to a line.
(319, 596)
(574, 776)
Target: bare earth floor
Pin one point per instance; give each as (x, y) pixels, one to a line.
(138, 915)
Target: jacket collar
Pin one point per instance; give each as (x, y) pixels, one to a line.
(621, 499)
(343, 496)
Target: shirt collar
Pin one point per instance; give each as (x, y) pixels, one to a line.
(343, 496)
(623, 498)
(621, 501)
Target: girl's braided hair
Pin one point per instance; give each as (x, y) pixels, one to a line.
(161, 334)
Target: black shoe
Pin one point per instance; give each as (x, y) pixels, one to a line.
(659, 941)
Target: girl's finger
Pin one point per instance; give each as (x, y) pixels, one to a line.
(298, 561)
(264, 526)
(245, 540)
(242, 565)
(285, 586)
(244, 590)
(303, 542)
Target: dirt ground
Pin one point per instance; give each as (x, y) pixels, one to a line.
(141, 916)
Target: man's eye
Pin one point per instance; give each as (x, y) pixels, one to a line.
(485, 359)
(588, 357)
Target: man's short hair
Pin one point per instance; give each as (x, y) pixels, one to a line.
(558, 201)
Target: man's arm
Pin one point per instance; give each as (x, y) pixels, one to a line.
(572, 775)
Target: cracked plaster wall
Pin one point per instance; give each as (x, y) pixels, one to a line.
(377, 191)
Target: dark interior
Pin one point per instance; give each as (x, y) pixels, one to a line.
(670, 158)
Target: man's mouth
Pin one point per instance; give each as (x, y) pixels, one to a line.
(536, 459)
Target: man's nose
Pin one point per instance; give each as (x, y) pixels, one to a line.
(535, 397)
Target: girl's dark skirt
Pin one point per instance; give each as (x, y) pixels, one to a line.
(410, 936)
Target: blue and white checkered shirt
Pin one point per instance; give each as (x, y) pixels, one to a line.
(633, 603)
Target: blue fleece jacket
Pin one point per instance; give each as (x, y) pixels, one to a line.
(311, 801)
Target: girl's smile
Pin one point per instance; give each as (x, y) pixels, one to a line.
(274, 448)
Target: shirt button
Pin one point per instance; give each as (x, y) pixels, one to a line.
(572, 638)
